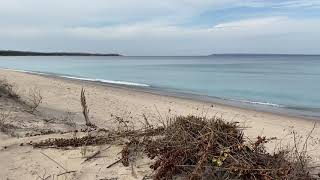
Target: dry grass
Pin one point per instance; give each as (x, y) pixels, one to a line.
(32, 101)
(299, 154)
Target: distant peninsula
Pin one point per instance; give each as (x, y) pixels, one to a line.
(31, 53)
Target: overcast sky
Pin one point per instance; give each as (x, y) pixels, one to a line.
(162, 27)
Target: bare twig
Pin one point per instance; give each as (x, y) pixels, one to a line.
(54, 161)
(91, 157)
(116, 162)
(66, 173)
(34, 99)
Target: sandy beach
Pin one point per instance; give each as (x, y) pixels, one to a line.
(61, 100)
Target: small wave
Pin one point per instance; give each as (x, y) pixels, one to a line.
(108, 81)
(258, 103)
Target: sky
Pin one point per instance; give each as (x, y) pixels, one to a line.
(161, 27)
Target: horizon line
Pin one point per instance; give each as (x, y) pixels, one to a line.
(213, 54)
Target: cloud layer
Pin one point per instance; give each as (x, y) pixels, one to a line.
(168, 27)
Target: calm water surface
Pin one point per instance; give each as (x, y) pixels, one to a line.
(279, 82)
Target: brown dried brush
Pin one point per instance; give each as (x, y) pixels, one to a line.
(198, 147)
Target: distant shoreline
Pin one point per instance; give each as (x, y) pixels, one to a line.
(36, 53)
(31, 53)
(261, 54)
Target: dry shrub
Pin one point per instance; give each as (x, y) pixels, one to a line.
(131, 151)
(6, 127)
(3, 117)
(34, 99)
(8, 90)
(198, 147)
(123, 125)
(298, 154)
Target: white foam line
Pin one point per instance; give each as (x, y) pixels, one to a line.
(86, 79)
(258, 103)
(24, 71)
(143, 85)
(108, 81)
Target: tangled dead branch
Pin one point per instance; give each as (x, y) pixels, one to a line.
(34, 99)
(196, 147)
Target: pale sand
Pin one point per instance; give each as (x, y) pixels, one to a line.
(62, 95)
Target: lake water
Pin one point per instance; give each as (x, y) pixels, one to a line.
(286, 83)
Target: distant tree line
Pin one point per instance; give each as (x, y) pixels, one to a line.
(30, 53)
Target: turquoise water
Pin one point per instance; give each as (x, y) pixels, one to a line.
(277, 81)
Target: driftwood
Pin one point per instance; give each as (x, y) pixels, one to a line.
(116, 162)
(66, 173)
(92, 156)
(85, 110)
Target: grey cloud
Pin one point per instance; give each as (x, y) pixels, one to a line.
(149, 27)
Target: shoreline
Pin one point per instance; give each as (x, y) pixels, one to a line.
(250, 106)
(156, 93)
(150, 95)
(106, 104)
